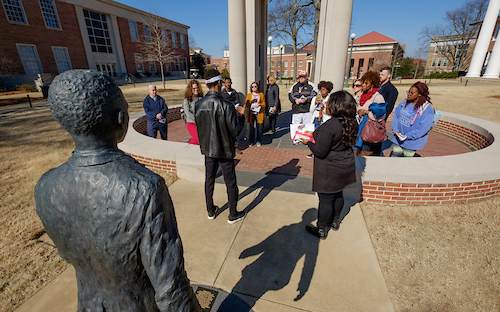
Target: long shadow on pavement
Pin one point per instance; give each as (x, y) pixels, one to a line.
(279, 254)
(273, 179)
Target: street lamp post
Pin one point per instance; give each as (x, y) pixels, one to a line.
(281, 61)
(270, 39)
(346, 84)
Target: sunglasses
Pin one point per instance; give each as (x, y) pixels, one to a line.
(254, 86)
(357, 85)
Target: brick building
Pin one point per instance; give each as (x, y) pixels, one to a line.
(52, 36)
(304, 61)
(445, 51)
(372, 52)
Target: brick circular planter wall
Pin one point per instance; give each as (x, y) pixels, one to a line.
(419, 180)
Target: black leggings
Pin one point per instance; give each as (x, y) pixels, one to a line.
(272, 121)
(330, 206)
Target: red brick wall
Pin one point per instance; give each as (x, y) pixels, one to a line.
(130, 47)
(44, 38)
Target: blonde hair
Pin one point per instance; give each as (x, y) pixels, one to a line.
(271, 79)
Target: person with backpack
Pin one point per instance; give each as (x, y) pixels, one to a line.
(413, 118)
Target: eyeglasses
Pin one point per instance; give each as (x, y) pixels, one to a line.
(410, 92)
(357, 85)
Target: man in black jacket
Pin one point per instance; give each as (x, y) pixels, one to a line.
(219, 122)
(387, 90)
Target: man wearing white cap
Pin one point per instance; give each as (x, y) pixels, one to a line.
(219, 122)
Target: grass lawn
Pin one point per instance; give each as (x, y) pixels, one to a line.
(434, 258)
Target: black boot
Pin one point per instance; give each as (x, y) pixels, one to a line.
(321, 233)
(335, 225)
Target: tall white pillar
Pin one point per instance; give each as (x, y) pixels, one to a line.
(256, 40)
(333, 41)
(484, 38)
(237, 44)
(493, 67)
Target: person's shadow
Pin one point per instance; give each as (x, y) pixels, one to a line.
(273, 179)
(279, 254)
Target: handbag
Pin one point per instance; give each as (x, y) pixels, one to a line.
(374, 131)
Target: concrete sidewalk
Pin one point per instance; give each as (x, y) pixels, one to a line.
(268, 259)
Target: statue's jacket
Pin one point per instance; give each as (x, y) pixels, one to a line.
(114, 221)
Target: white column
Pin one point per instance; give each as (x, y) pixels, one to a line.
(493, 67)
(256, 40)
(333, 41)
(484, 38)
(237, 44)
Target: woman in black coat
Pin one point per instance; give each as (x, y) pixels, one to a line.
(273, 102)
(334, 166)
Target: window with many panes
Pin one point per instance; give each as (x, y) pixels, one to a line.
(300, 63)
(439, 62)
(138, 62)
(174, 39)
(177, 63)
(286, 63)
(30, 59)
(445, 62)
(97, 29)
(49, 13)
(433, 63)
(292, 65)
(291, 73)
(133, 31)
(61, 56)
(371, 60)
(14, 11)
(164, 36)
(147, 33)
(285, 74)
(152, 63)
(185, 62)
(183, 41)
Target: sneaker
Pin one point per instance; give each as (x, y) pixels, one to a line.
(258, 144)
(212, 215)
(296, 142)
(239, 216)
(310, 155)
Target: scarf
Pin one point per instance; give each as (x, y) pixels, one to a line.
(366, 96)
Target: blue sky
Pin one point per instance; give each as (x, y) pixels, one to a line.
(397, 19)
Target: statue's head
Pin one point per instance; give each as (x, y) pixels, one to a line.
(89, 103)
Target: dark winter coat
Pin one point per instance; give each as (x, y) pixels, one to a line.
(334, 166)
(273, 98)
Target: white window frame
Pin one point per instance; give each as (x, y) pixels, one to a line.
(445, 62)
(177, 63)
(285, 72)
(134, 31)
(292, 63)
(436, 50)
(174, 39)
(433, 63)
(183, 41)
(21, 7)
(60, 69)
(286, 64)
(36, 59)
(147, 33)
(138, 60)
(152, 63)
(291, 73)
(164, 35)
(440, 61)
(301, 63)
(55, 13)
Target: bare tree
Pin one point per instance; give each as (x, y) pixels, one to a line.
(452, 39)
(290, 19)
(155, 44)
(7, 65)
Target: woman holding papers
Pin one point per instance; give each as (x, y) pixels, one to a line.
(334, 166)
(256, 103)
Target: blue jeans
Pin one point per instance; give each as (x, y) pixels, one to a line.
(252, 130)
(317, 123)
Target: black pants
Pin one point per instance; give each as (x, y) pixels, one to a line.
(153, 126)
(330, 206)
(229, 173)
(272, 121)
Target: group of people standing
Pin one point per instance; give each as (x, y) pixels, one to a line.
(216, 120)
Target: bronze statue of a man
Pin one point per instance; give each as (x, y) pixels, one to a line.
(109, 216)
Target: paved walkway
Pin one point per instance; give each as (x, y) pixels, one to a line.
(268, 259)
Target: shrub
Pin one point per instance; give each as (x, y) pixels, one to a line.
(444, 75)
(26, 87)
